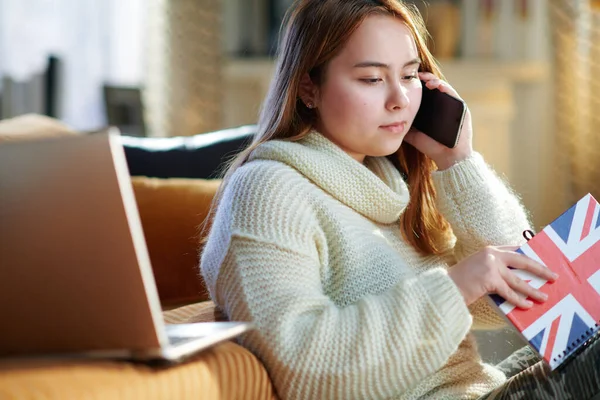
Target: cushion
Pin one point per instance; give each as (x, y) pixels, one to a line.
(200, 156)
(205, 311)
(171, 211)
(32, 126)
(225, 371)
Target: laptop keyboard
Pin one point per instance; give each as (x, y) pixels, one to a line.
(176, 340)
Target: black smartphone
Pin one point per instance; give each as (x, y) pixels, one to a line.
(440, 116)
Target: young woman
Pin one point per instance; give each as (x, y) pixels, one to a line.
(360, 248)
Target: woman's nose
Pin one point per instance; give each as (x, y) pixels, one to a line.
(398, 98)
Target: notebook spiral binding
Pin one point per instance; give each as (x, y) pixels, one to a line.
(578, 346)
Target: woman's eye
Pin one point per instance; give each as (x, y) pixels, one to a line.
(372, 81)
(409, 77)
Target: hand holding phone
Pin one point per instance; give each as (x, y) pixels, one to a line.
(440, 116)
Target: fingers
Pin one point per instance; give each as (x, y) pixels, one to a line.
(519, 285)
(425, 76)
(433, 82)
(523, 262)
(517, 288)
(508, 294)
(418, 139)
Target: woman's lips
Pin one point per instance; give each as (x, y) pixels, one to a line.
(395, 128)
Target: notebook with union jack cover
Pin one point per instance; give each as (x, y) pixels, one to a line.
(569, 320)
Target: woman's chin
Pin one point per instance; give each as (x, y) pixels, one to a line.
(385, 149)
(391, 144)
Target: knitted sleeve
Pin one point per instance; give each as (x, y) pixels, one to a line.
(482, 211)
(268, 251)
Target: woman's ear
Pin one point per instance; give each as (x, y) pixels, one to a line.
(308, 91)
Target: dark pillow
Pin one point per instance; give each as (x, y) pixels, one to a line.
(200, 156)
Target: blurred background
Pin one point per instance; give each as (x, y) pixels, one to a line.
(162, 68)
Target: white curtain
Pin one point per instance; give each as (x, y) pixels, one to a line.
(97, 42)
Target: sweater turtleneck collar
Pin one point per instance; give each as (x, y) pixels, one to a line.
(374, 189)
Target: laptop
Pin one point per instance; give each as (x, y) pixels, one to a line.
(75, 274)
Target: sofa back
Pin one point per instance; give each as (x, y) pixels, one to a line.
(171, 211)
(175, 180)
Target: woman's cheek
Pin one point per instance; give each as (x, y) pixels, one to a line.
(351, 102)
(346, 105)
(362, 99)
(415, 100)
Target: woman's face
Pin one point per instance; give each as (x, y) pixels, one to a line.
(371, 91)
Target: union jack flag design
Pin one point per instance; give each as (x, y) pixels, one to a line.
(569, 246)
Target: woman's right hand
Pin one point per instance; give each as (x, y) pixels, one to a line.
(487, 272)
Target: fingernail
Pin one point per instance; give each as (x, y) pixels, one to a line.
(543, 295)
(554, 276)
(528, 303)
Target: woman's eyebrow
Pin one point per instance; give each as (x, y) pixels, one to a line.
(376, 64)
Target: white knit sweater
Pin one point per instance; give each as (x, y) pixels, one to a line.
(306, 244)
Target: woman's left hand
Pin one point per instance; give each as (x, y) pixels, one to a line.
(443, 156)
